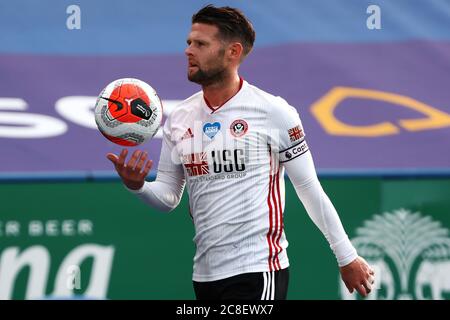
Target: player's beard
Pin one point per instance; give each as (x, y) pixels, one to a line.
(215, 74)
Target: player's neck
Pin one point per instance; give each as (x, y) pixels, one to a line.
(219, 93)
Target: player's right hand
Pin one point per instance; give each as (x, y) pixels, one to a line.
(134, 172)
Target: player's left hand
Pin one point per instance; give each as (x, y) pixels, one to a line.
(359, 276)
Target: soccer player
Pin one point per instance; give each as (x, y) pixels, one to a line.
(231, 143)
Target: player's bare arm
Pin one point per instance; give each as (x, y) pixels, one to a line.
(134, 172)
(359, 276)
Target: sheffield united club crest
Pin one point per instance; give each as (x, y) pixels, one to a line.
(238, 128)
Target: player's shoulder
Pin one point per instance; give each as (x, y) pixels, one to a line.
(186, 107)
(273, 103)
(189, 103)
(268, 99)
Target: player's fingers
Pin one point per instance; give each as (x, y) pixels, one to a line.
(349, 287)
(147, 168)
(141, 161)
(368, 286)
(371, 279)
(134, 158)
(369, 268)
(122, 157)
(362, 290)
(113, 158)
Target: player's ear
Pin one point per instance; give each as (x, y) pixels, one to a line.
(235, 51)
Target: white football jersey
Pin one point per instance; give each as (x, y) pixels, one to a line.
(231, 158)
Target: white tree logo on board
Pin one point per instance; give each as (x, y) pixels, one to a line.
(410, 254)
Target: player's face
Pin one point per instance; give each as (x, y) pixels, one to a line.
(206, 55)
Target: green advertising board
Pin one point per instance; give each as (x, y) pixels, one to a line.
(96, 240)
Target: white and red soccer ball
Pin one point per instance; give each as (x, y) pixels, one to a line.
(128, 112)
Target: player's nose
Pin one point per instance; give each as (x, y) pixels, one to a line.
(188, 51)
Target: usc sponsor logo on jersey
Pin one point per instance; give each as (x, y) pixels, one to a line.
(223, 161)
(228, 160)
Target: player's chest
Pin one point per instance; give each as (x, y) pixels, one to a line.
(220, 144)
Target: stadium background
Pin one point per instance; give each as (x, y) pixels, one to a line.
(374, 104)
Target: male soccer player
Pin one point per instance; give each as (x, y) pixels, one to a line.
(230, 143)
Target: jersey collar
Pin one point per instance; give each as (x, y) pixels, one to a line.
(211, 109)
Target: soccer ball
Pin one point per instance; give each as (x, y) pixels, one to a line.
(128, 112)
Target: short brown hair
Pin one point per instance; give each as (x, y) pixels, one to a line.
(231, 22)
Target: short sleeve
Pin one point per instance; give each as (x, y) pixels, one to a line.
(287, 136)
